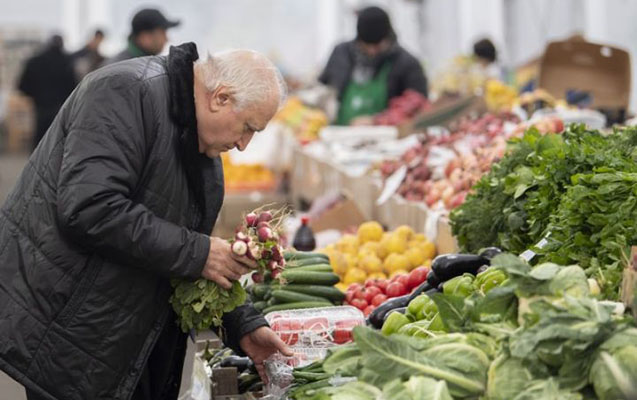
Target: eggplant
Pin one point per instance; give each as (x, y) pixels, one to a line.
(377, 316)
(240, 363)
(432, 279)
(451, 265)
(422, 288)
(490, 252)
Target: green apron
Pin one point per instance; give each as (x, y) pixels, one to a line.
(364, 99)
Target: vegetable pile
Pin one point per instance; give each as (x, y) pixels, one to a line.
(307, 282)
(575, 189)
(539, 333)
(201, 304)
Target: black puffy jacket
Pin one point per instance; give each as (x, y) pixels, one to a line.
(108, 208)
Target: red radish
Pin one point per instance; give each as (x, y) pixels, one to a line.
(378, 299)
(241, 236)
(276, 273)
(263, 224)
(239, 248)
(254, 251)
(272, 264)
(265, 216)
(266, 254)
(251, 219)
(277, 253)
(257, 277)
(264, 234)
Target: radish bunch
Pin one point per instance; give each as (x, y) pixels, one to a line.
(258, 238)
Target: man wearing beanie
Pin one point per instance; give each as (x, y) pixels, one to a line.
(371, 69)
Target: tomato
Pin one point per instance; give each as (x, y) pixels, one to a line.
(379, 299)
(349, 296)
(288, 330)
(396, 289)
(382, 285)
(371, 292)
(404, 279)
(370, 283)
(417, 276)
(354, 286)
(368, 310)
(361, 304)
(343, 330)
(359, 293)
(316, 324)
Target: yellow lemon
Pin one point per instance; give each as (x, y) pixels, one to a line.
(415, 257)
(395, 262)
(427, 263)
(377, 275)
(404, 231)
(419, 237)
(428, 250)
(351, 261)
(339, 263)
(371, 263)
(371, 247)
(396, 244)
(355, 275)
(370, 231)
(342, 286)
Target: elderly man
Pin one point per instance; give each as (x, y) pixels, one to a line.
(120, 196)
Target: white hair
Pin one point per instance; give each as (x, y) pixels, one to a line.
(250, 76)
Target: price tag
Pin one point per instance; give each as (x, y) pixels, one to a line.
(392, 184)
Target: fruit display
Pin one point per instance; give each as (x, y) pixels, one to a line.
(442, 171)
(244, 177)
(306, 282)
(510, 331)
(403, 108)
(201, 303)
(305, 122)
(499, 96)
(574, 192)
(375, 254)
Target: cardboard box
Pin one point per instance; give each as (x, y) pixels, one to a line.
(342, 216)
(603, 72)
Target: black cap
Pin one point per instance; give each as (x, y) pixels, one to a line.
(373, 25)
(149, 19)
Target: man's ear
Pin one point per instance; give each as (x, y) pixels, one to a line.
(221, 97)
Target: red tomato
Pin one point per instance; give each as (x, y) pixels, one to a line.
(354, 286)
(361, 304)
(395, 278)
(319, 324)
(404, 279)
(371, 292)
(343, 330)
(396, 289)
(417, 276)
(368, 310)
(287, 330)
(359, 293)
(379, 299)
(382, 285)
(349, 296)
(370, 282)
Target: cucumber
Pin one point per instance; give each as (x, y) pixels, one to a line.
(272, 302)
(301, 255)
(295, 306)
(260, 305)
(306, 261)
(326, 292)
(259, 290)
(315, 267)
(286, 296)
(310, 277)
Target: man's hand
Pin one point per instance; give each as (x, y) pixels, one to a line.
(223, 266)
(261, 344)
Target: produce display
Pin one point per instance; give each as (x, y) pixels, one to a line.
(403, 108)
(499, 96)
(540, 333)
(201, 303)
(243, 177)
(575, 190)
(305, 122)
(307, 282)
(375, 254)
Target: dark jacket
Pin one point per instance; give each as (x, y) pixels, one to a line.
(131, 51)
(108, 208)
(406, 72)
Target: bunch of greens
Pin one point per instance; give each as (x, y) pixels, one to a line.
(530, 195)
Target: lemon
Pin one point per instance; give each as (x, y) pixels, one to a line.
(415, 256)
(339, 263)
(419, 237)
(396, 244)
(355, 275)
(371, 247)
(404, 231)
(371, 263)
(395, 262)
(428, 250)
(370, 231)
(351, 261)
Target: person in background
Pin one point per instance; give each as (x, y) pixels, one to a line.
(487, 57)
(48, 78)
(371, 69)
(148, 35)
(88, 58)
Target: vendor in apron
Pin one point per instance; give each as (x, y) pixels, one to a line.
(371, 70)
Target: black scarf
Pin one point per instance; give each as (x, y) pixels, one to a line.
(182, 111)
